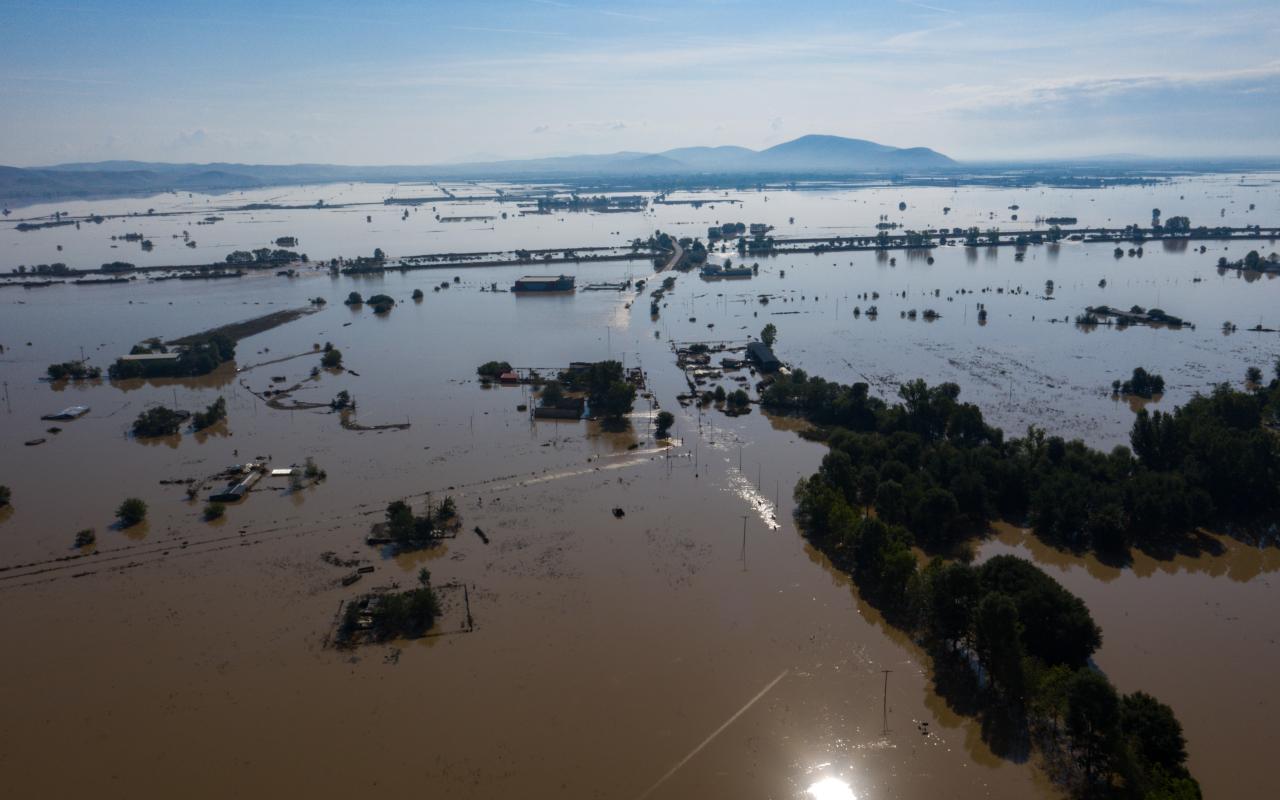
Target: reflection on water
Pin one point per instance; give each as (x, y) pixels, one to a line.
(830, 788)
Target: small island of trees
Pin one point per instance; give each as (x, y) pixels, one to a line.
(408, 531)
(73, 370)
(381, 303)
(1143, 384)
(215, 413)
(490, 370)
(382, 616)
(159, 421)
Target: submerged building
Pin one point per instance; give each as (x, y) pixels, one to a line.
(544, 283)
(762, 356)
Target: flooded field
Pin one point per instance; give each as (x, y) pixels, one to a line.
(693, 647)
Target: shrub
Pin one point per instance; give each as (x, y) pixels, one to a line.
(664, 421)
(214, 511)
(132, 511)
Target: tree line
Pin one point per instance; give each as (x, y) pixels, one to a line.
(1009, 643)
(933, 465)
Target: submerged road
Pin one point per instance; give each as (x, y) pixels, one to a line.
(676, 254)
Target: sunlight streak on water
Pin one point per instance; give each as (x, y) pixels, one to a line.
(744, 488)
(830, 789)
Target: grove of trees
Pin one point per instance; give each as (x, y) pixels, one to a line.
(928, 472)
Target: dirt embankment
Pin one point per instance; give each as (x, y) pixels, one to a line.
(249, 327)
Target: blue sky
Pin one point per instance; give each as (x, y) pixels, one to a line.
(377, 82)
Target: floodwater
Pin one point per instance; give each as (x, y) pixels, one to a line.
(662, 654)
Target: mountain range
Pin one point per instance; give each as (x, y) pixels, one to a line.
(807, 155)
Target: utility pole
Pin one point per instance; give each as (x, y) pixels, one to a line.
(744, 541)
(886, 700)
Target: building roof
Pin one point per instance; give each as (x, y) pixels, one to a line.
(149, 357)
(762, 355)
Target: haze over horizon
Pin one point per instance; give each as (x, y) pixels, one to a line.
(432, 83)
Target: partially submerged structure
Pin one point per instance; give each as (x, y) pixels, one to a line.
(762, 356)
(242, 480)
(69, 413)
(533, 284)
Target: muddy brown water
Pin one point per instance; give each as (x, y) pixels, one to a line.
(647, 656)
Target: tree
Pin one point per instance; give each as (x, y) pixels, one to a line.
(1153, 731)
(158, 421)
(492, 369)
(952, 594)
(417, 294)
(1093, 720)
(378, 255)
(998, 636)
(354, 299)
(935, 515)
(400, 521)
(5, 495)
(1057, 626)
(664, 421)
(216, 412)
(132, 511)
(616, 401)
(552, 393)
(332, 359)
(769, 335)
(1253, 376)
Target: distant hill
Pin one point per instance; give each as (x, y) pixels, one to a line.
(808, 155)
(837, 154)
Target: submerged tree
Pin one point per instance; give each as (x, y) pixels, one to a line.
(769, 335)
(132, 511)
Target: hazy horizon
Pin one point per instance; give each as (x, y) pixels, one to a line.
(429, 83)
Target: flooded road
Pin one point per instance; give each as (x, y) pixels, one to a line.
(665, 653)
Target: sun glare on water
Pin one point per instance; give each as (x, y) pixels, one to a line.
(831, 789)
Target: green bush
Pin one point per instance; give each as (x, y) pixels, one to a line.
(132, 511)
